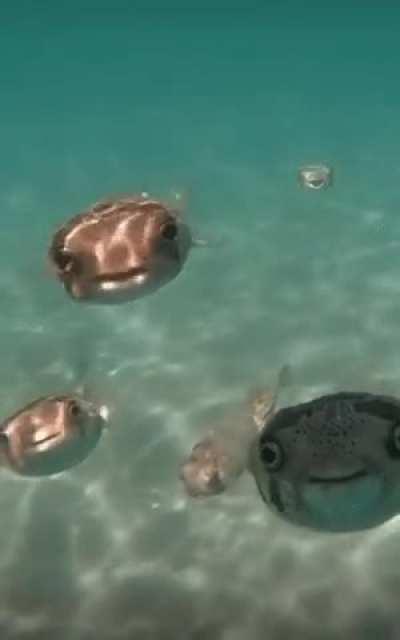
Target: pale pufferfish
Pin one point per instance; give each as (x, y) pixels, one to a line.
(332, 464)
(220, 458)
(51, 435)
(120, 249)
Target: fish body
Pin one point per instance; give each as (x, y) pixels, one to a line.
(120, 250)
(50, 435)
(315, 177)
(217, 460)
(333, 463)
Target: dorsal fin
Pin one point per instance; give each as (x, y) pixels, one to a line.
(264, 403)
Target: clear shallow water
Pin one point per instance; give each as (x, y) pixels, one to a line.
(225, 105)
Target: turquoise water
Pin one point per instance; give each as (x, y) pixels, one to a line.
(223, 105)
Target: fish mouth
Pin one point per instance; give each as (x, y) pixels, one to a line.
(361, 473)
(121, 276)
(44, 442)
(316, 183)
(121, 279)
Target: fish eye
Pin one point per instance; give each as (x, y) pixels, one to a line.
(271, 454)
(74, 409)
(169, 231)
(62, 258)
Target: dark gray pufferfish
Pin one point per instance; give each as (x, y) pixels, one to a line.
(333, 463)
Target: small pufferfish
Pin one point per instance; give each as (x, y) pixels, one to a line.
(51, 435)
(120, 249)
(220, 458)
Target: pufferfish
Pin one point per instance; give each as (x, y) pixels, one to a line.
(120, 249)
(332, 464)
(50, 435)
(222, 455)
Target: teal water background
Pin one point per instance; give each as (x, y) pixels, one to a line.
(223, 105)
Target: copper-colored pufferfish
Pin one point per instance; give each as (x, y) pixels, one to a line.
(120, 249)
(51, 434)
